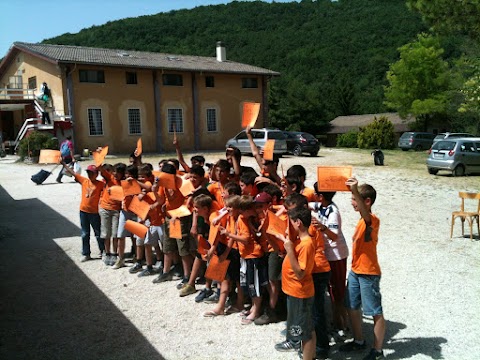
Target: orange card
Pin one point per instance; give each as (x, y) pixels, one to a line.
(268, 149)
(187, 187)
(203, 245)
(275, 224)
(139, 207)
(179, 212)
(49, 156)
(217, 270)
(136, 228)
(99, 156)
(332, 178)
(250, 114)
(131, 187)
(212, 235)
(167, 181)
(175, 229)
(116, 193)
(138, 150)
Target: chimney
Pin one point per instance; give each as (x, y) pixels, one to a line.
(221, 53)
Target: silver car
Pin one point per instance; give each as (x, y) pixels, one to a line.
(260, 137)
(461, 156)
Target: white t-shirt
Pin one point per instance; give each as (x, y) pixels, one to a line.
(330, 217)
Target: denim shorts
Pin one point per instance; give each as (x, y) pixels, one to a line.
(363, 291)
(154, 236)
(124, 216)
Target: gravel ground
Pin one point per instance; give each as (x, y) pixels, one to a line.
(54, 307)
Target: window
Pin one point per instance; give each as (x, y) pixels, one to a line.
(211, 120)
(32, 82)
(467, 147)
(172, 80)
(134, 123)
(131, 77)
(209, 81)
(175, 120)
(249, 83)
(15, 82)
(92, 76)
(95, 122)
(241, 136)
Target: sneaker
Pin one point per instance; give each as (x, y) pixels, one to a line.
(212, 299)
(187, 290)
(85, 258)
(162, 278)
(353, 346)
(268, 317)
(182, 283)
(105, 258)
(135, 268)
(374, 355)
(119, 264)
(112, 260)
(158, 265)
(205, 293)
(288, 345)
(147, 272)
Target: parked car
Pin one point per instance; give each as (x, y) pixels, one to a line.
(459, 155)
(260, 137)
(299, 142)
(448, 135)
(416, 140)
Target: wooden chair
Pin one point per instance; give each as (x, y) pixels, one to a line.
(470, 216)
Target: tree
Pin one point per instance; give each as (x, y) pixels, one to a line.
(419, 82)
(379, 134)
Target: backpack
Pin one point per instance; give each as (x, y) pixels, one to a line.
(65, 149)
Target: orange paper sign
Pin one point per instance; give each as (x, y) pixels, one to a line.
(116, 193)
(99, 156)
(139, 207)
(212, 235)
(332, 178)
(175, 229)
(49, 157)
(187, 188)
(168, 181)
(203, 245)
(136, 228)
(138, 150)
(131, 187)
(250, 114)
(217, 270)
(179, 212)
(268, 149)
(275, 224)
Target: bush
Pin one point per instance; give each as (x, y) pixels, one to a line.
(348, 140)
(377, 135)
(34, 142)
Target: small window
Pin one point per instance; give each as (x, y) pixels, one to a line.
(32, 82)
(467, 147)
(241, 136)
(276, 135)
(92, 76)
(131, 77)
(258, 134)
(134, 122)
(175, 120)
(249, 83)
(95, 122)
(209, 81)
(477, 144)
(211, 120)
(172, 79)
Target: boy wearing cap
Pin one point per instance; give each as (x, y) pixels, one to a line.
(91, 192)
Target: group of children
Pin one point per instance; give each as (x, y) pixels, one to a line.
(268, 239)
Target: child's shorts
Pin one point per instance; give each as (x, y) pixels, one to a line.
(109, 223)
(363, 291)
(124, 216)
(299, 318)
(338, 280)
(233, 271)
(274, 266)
(253, 275)
(154, 236)
(186, 245)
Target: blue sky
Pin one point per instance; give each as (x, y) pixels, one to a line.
(36, 20)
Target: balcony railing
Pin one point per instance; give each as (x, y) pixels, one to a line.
(16, 94)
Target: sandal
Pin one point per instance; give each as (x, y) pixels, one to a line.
(232, 310)
(244, 313)
(211, 314)
(247, 321)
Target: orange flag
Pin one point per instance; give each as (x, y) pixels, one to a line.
(268, 149)
(175, 229)
(99, 156)
(332, 178)
(49, 157)
(136, 228)
(139, 207)
(250, 114)
(217, 270)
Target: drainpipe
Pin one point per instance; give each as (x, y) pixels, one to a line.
(158, 112)
(196, 125)
(71, 104)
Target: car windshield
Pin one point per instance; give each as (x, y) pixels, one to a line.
(406, 135)
(439, 137)
(444, 145)
(277, 135)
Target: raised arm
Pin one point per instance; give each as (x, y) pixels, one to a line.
(253, 147)
(352, 183)
(180, 158)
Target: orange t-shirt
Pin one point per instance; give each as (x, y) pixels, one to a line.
(155, 215)
(305, 254)
(91, 193)
(364, 252)
(222, 223)
(252, 249)
(105, 201)
(216, 189)
(309, 193)
(321, 263)
(173, 198)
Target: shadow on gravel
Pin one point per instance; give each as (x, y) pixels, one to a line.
(48, 308)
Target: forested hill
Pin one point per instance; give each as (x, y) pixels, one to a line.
(332, 56)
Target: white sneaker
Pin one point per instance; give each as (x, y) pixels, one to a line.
(119, 264)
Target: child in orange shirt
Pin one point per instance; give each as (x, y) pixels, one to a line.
(297, 283)
(91, 192)
(363, 286)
